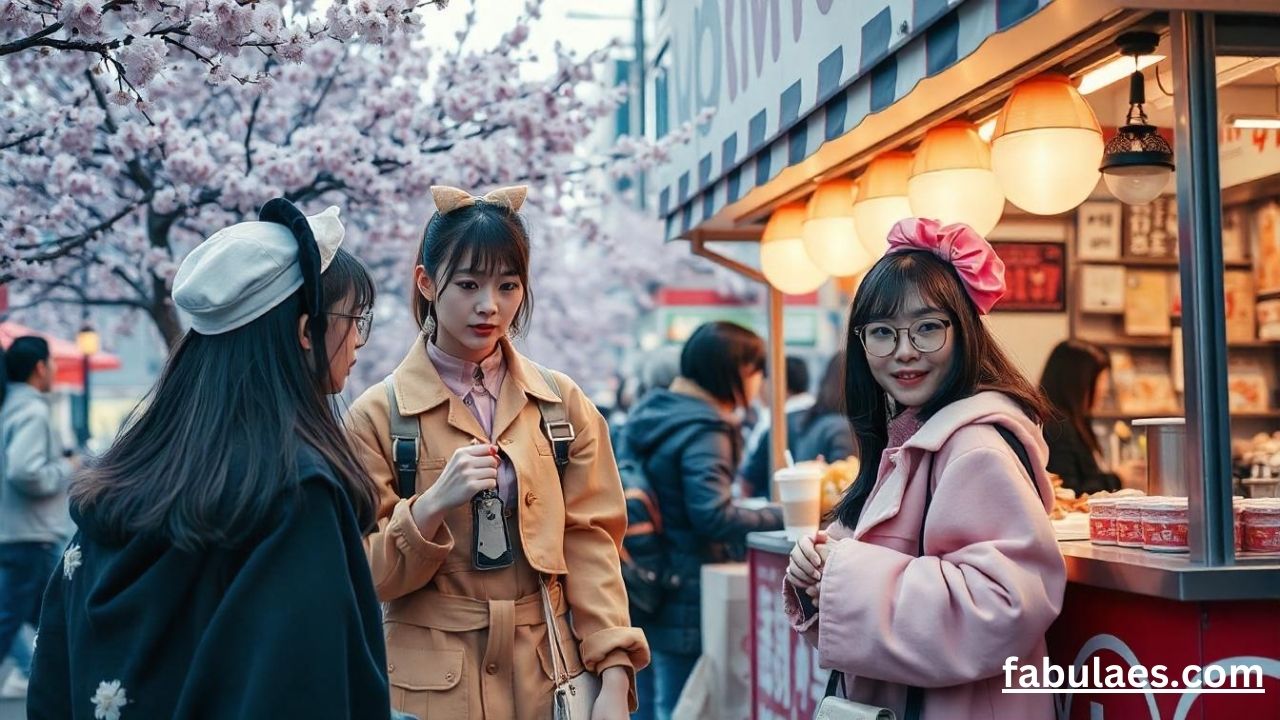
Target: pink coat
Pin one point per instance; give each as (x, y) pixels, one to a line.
(988, 586)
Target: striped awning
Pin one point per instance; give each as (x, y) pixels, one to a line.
(869, 70)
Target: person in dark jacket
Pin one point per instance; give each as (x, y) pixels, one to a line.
(757, 469)
(219, 569)
(688, 441)
(824, 430)
(1070, 379)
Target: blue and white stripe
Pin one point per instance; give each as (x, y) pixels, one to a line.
(942, 32)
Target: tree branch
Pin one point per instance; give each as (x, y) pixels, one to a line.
(29, 42)
(248, 135)
(25, 138)
(71, 242)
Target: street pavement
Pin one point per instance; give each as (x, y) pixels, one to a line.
(11, 709)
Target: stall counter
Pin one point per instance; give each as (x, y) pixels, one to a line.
(1128, 606)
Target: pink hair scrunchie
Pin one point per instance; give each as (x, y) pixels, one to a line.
(980, 269)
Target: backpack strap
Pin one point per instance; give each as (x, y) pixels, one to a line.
(915, 694)
(405, 436)
(555, 422)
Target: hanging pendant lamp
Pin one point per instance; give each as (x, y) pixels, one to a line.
(882, 199)
(1047, 146)
(1137, 162)
(783, 259)
(830, 234)
(951, 178)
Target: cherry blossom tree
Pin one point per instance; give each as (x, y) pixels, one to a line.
(130, 131)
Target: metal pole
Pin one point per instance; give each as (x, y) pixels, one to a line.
(778, 379)
(85, 432)
(640, 76)
(1204, 342)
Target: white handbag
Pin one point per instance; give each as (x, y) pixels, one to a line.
(574, 696)
(834, 707)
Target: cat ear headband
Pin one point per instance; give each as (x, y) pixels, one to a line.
(449, 198)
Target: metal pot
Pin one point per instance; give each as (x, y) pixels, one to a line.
(1166, 455)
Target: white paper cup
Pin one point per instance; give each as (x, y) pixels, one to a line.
(800, 490)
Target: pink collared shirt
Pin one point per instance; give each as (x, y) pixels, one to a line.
(480, 397)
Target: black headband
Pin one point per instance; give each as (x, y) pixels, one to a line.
(282, 212)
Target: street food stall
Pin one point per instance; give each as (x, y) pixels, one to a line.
(1143, 216)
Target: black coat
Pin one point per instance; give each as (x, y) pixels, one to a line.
(1073, 460)
(827, 436)
(757, 469)
(690, 454)
(286, 626)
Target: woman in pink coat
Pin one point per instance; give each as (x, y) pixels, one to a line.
(941, 562)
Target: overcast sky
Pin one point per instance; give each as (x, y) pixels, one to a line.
(584, 25)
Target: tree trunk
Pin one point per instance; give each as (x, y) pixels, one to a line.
(165, 316)
(163, 312)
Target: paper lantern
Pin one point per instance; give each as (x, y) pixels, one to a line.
(1047, 146)
(951, 178)
(830, 235)
(783, 259)
(882, 199)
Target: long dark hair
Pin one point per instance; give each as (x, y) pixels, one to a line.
(714, 356)
(205, 458)
(979, 364)
(1069, 381)
(492, 236)
(830, 397)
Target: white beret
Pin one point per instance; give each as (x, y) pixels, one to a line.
(241, 272)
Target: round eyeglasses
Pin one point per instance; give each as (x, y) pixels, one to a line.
(364, 323)
(881, 339)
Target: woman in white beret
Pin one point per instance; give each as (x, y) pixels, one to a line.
(219, 570)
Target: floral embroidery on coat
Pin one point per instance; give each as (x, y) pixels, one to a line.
(108, 700)
(71, 560)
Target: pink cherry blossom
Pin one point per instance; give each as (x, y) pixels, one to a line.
(343, 107)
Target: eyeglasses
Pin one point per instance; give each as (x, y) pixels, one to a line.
(364, 323)
(881, 339)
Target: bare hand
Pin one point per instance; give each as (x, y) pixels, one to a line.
(612, 704)
(807, 558)
(472, 470)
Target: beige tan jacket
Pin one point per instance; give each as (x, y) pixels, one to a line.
(573, 530)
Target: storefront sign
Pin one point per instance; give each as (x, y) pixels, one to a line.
(788, 681)
(781, 77)
(800, 325)
(1132, 630)
(1035, 276)
(1247, 154)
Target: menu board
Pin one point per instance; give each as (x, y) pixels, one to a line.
(1268, 254)
(1246, 385)
(1034, 276)
(1152, 229)
(1239, 305)
(1146, 303)
(1143, 383)
(1268, 312)
(1098, 230)
(1102, 289)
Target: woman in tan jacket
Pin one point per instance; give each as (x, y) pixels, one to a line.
(492, 505)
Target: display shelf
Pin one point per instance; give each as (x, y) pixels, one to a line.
(1112, 415)
(1171, 263)
(1141, 343)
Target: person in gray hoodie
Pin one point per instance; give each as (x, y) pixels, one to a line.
(34, 474)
